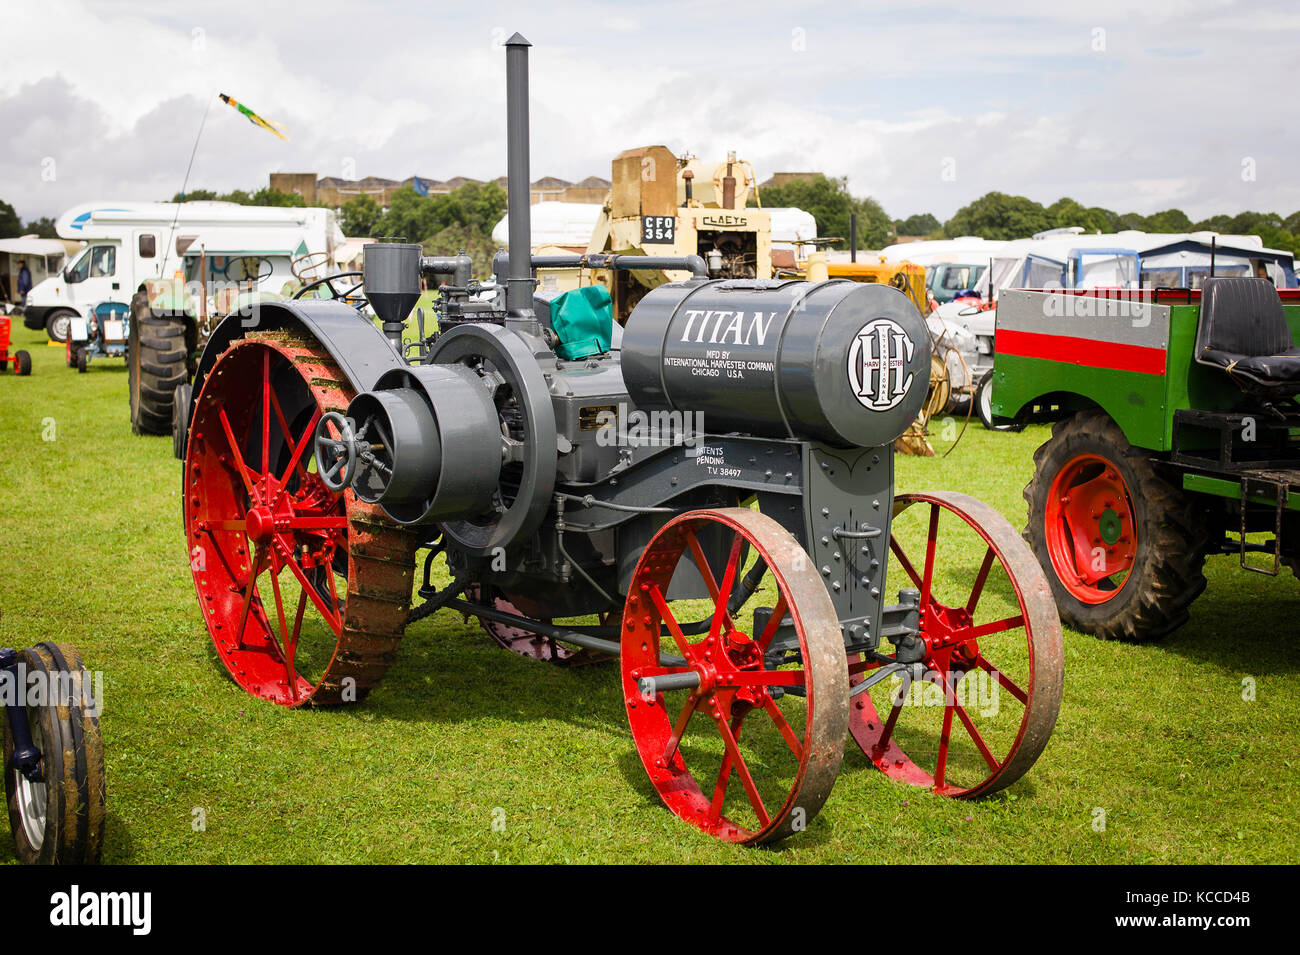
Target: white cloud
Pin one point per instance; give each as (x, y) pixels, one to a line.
(1013, 93)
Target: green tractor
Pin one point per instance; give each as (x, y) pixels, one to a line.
(1176, 436)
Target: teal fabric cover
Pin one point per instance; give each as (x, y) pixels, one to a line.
(583, 320)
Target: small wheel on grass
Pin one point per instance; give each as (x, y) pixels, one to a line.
(984, 407)
(979, 703)
(741, 722)
(1123, 548)
(23, 362)
(58, 816)
(83, 362)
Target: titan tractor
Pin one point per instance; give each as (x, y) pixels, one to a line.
(54, 756)
(708, 499)
(1175, 437)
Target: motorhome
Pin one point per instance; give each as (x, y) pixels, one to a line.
(129, 243)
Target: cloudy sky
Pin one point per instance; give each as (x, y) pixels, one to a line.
(925, 106)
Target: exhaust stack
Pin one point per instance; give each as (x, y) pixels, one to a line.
(519, 284)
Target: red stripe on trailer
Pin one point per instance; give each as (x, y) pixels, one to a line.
(1081, 351)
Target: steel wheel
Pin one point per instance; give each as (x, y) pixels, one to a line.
(770, 678)
(304, 590)
(980, 705)
(1089, 526)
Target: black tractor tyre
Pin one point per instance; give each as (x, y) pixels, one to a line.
(984, 408)
(59, 820)
(82, 360)
(1167, 572)
(58, 319)
(156, 365)
(24, 362)
(181, 419)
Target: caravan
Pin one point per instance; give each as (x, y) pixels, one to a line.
(129, 243)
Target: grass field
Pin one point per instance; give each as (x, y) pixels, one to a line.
(461, 733)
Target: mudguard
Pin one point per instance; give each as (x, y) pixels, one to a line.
(360, 349)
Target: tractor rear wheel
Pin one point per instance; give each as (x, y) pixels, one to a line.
(156, 363)
(59, 819)
(269, 542)
(1123, 548)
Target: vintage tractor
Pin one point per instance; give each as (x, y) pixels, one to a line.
(708, 499)
(1175, 437)
(104, 334)
(20, 360)
(54, 756)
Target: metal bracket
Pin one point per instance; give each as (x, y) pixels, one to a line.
(1282, 494)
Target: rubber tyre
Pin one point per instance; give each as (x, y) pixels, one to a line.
(1167, 572)
(181, 419)
(156, 365)
(983, 407)
(72, 763)
(23, 363)
(58, 319)
(82, 360)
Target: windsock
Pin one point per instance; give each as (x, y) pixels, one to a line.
(267, 124)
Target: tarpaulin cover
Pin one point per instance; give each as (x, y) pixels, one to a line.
(583, 320)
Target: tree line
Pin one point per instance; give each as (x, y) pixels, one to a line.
(997, 215)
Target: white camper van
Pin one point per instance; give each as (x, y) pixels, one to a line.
(128, 243)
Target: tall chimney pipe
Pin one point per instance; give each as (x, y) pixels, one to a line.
(519, 284)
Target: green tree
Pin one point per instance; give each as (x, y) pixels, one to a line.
(920, 224)
(194, 195)
(43, 227)
(829, 202)
(410, 216)
(996, 215)
(360, 215)
(1066, 213)
(267, 196)
(1170, 220)
(10, 224)
(451, 240)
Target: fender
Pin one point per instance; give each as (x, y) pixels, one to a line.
(360, 349)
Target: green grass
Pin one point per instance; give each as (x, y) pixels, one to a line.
(92, 553)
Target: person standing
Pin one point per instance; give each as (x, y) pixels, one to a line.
(24, 282)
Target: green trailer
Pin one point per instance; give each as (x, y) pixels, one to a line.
(1176, 435)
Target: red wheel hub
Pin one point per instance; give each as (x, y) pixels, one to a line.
(1089, 528)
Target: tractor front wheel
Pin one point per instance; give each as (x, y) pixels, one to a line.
(22, 363)
(1123, 549)
(739, 714)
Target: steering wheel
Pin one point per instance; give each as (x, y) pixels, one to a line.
(264, 269)
(350, 294)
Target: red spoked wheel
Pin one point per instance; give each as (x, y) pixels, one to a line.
(738, 713)
(304, 590)
(977, 708)
(1089, 528)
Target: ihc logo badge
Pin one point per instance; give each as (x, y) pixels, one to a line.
(878, 361)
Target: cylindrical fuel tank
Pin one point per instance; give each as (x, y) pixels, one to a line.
(846, 363)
